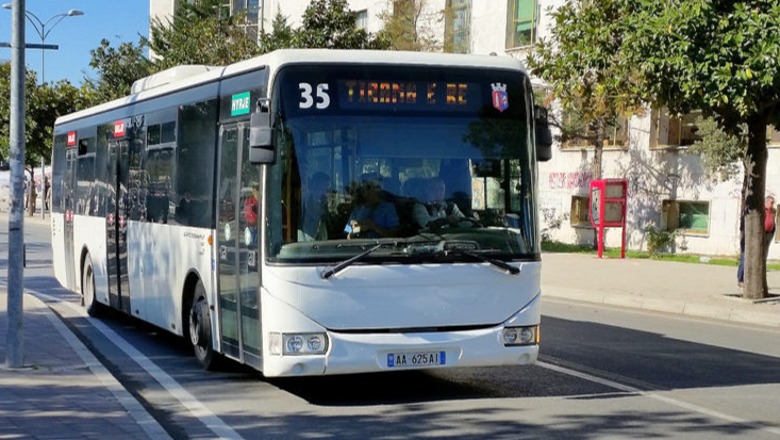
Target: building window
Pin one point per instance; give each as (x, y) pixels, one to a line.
(674, 131)
(362, 19)
(690, 217)
(458, 26)
(521, 23)
(772, 135)
(579, 211)
(576, 134)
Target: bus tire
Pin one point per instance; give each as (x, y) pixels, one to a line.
(92, 306)
(200, 334)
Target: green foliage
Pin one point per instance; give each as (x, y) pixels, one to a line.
(714, 55)
(325, 24)
(722, 153)
(201, 32)
(408, 26)
(659, 240)
(585, 68)
(117, 69)
(43, 104)
(282, 35)
(330, 24)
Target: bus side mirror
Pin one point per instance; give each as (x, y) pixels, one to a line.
(261, 146)
(542, 134)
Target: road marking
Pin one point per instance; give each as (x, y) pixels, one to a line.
(656, 396)
(192, 404)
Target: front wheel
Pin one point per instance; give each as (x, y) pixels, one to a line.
(201, 336)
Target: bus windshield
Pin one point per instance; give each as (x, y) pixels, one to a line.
(429, 163)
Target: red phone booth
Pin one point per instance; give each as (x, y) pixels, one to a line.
(608, 209)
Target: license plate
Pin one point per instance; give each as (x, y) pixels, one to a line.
(418, 359)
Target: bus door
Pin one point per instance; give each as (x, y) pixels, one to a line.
(116, 225)
(238, 204)
(69, 196)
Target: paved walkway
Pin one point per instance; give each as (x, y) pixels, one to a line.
(61, 391)
(64, 392)
(691, 289)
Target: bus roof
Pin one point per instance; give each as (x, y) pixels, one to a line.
(183, 77)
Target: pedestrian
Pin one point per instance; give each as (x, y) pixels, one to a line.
(769, 223)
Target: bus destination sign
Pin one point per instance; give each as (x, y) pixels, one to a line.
(411, 95)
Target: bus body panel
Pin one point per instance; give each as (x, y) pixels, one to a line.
(405, 296)
(89, 236)
(162, 257)
(61, 272)
(360, 352)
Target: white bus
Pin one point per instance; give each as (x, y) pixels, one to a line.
(270, 211)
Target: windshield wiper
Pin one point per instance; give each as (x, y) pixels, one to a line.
(444, 247)
(346, 263)
(512, 270)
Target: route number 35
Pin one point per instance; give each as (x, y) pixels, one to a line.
(309, 96)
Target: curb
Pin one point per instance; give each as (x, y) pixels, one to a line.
(669, 306)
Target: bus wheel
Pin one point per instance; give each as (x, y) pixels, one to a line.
(88, 289)
(200, 329)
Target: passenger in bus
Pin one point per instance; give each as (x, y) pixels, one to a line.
(371, 217)
(434, 210)
(314, 209)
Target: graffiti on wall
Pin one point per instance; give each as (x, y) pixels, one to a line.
(575, 179)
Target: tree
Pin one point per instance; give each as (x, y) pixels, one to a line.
(43, 104)
(201, 32)
(409, 26)
(117, 69)
(330, 24)
(282, 35)
(586, 72)
(719, 57)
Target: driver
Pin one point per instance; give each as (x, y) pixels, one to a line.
(435, 209)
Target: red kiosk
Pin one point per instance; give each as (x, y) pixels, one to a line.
(608, 209)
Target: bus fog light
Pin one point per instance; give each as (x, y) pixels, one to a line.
(305, 343)
(521, 335)
(294, 344)
(314, 342)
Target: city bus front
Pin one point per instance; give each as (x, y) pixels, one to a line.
(400, 220)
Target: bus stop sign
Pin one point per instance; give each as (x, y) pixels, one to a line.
(608, 209)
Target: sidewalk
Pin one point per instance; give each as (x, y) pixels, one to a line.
(62, 390)
(696, 290)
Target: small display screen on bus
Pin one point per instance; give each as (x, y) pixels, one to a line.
(409, 95)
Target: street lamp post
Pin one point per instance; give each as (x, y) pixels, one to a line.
(15, 309)
(43, 28)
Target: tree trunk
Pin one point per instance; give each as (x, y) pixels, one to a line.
(755, 173)
(598, 148)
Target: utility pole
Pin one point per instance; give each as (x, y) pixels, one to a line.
(15, 335)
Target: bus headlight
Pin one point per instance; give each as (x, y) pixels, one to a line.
(297, 343)
(528, 335)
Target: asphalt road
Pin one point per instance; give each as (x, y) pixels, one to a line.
(603, 373)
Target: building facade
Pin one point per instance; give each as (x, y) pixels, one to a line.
(669, 188)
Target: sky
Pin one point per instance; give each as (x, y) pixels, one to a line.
(117, 21)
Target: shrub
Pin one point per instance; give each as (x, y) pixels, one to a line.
(658, 241)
